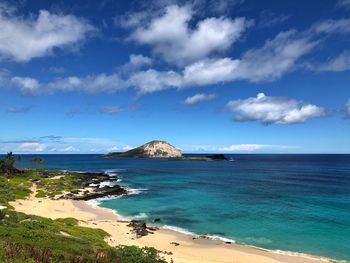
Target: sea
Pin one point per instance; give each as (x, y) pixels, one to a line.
(297, 203)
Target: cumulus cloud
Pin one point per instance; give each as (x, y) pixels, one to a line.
(340, 26)
(267, 63)
(275, 58)
(343, 4)
(278, 110)
(171, 36)
(210, 71)
(136, 62)
(23, 39)
(32, 147)
(25, 84)
(200, 97)
(90, 84)
(152, 80)
(339, 63)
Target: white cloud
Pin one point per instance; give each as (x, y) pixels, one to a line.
(210, 71)
(267, 63)
(242, 147)
(151, 80)
(121, 148)
(23, 39)
(90, 84)
(71, 149)
(171, 37)
(139, 60)
(268, 110)
(343, 4)
(200, 97)
(32, 147)
(340, 26)
(347, 108)
(136, 62)
(339, 63)
(254, 147)
(26, 85)
(275, 58)
(112, 109)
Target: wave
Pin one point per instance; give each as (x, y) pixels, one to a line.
(224, 239)
(299, 254)
(113, 172)
(180, 230)
(135, 191)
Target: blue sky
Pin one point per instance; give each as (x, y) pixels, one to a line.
(236, 76)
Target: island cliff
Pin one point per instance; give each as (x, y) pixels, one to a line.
(153, 149)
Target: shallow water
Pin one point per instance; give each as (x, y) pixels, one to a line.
(296, 203)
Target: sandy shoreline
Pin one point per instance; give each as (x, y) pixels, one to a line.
(188, 250)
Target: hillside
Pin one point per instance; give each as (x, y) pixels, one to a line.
(153, 149)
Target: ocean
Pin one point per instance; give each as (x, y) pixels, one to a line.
(298, 203)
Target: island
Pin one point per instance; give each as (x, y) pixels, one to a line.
(161, 149)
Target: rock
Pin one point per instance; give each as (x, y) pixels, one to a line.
(139, 228)
(217, 157)
(156, 220)
(153, 228)
(102, 192)
(153, 149)
(175, 244)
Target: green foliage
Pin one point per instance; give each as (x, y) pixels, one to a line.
(34, 239)
(26, 238)
(7, 165)
(131, 254)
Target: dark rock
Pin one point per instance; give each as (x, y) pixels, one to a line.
(217, 157)
(102, 192)
(156, 220)
(139, 228)
(152, 228)
(175, 244)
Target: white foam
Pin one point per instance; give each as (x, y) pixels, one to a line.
(180, 230)
(135, 191)
(298, 254)
(98, 201)
(224, 239)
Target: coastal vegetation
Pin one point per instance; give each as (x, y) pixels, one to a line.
(29, 238)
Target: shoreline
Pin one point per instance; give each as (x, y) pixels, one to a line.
(181, 247)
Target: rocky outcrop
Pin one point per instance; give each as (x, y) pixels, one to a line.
(153, 149)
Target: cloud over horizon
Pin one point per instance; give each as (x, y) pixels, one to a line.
(273, 110)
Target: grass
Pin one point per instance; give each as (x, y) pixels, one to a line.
(28, 238)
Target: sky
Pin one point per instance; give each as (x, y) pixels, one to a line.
(233, 76)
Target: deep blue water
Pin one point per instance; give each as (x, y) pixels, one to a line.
(297, 203)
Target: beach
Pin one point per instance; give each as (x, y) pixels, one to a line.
(184, 248)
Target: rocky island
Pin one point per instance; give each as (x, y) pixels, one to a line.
(152, 149)
(162, 149)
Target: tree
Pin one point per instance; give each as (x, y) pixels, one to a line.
(7, 165)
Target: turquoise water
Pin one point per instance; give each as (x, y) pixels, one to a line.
(297, 203)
